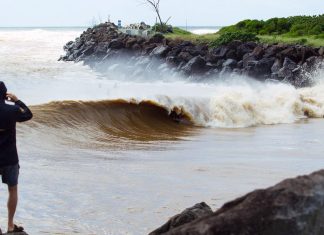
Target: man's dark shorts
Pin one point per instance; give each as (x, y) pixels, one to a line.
(10, 175)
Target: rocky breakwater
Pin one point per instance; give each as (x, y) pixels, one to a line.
(102, 44)
(292, 207)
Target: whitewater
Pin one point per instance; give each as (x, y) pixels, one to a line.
(103, 154)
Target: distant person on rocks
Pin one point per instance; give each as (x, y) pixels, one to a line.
(9, 162)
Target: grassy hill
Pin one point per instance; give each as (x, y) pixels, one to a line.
(307, 30)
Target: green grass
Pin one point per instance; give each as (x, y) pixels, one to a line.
(314, 41)
(305, 40)
(187, 36)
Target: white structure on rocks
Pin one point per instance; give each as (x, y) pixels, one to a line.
(141, 29)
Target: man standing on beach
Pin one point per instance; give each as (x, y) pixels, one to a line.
(9, 162)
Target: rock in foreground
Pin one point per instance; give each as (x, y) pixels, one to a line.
(188, 215)
(292, 207)
(20, 233)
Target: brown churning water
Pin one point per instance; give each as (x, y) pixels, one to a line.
(113, 121)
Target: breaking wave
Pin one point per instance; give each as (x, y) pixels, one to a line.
(112, 122)
(166, 118)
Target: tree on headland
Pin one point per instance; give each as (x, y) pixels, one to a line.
(155, 4)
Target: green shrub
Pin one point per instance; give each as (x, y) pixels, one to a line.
(164, 28)
(292, 26)
(228, 37)
(320, 36)
(302, 41)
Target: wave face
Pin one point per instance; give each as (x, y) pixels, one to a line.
(114, 122)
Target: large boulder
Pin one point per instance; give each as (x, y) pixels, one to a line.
(259, 69)
(292, 207)
(131, 42)
(195, 66)
(244, 48)
(288, 67)
(116, 44)
(184, 56)
(188, 215)
(230, 63)
(160, 51)
(276, 66)
(18, 233)
(220, 52)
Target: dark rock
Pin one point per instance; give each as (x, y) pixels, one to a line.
(157, 38)
(195, 50)
(188, 215)
(321, 51)
(148, 48)
(101, 48)
(104, 42)
(78, 43)
(210, 57)
(195, 66)
(160, 51)
(185, 56)
(311, 60)
(116, 44)
(173, 60)
(288, 63)
(89, 51)
(273, 50)
(130, 42)
(247, 58)
(231, 54)
(252, 45)
(292, 207)
(258, 52)
(243, 49)
(230, 63)
(68, 46)
(237, 71)
(234, 44)
(225, 71)
(136, 47)
(264, 65)
(19, 233)
(286, 70)
(185, 44)
(276, 66)
(290, 53)
(220, 52)
(219, 63)
(259, 69)
(240, 64)
(210, 66)
(174, 51)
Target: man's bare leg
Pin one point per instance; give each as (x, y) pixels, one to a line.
(12, 205)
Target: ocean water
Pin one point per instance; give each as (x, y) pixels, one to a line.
(201, 29)
(103, 156)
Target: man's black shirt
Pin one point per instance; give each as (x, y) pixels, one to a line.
(9, 116)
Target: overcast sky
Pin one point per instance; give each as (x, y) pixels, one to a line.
(19, 13)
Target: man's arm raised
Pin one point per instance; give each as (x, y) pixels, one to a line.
(23, 112)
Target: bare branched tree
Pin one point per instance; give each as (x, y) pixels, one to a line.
(155, 4)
